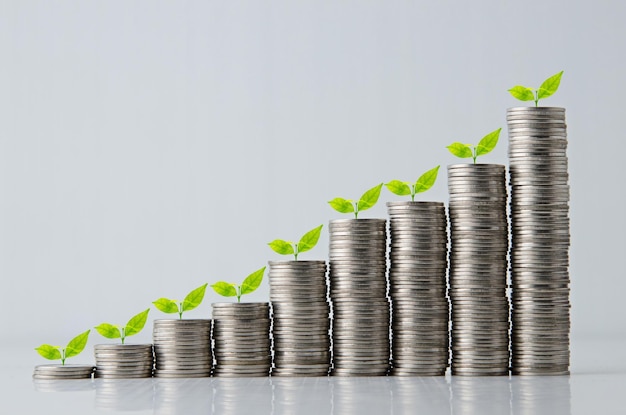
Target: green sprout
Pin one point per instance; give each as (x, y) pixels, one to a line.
(191, 301)
(366, 201)
(134, 326)
(306, 243)
(547, 88)
(73, 348)
(249, 285)
(484, 146)
(425, 182)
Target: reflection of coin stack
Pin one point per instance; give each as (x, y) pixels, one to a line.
(421, 394)
(417, 287)
(478, 269)
(242, 339)
(541, 395)
(63, 372)
(124, 394)
(358, 291)
(541, 238)
(183, 396)
(470, 395)
(124, 360)
(232, 396)
(368, 395)
(301, 396)
(298, 292)
(182, 348)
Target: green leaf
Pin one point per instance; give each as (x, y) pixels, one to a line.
(109, 331)
(549, 86)
(522, 93)
(49, 352)
(342, 205)
(136, 323)
(399, 188)
(194, 298)
(488, 142)
(369, 198)
(310, 239)
(252, 281)
(426, 180)
(77, 344)
(460, 150)
(281, 247)
(225, 289)
(166, 305)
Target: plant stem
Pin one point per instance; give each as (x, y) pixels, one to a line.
(63, 357)
(238, 293)
(474, 155)
(412, 193)
(536, 98)
(123, 332)
(356, 210)
(295, 251)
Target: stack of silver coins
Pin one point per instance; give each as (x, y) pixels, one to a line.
(417, 287)
(299, 296)
(124, 361)
(358, 291)
(242, 339)
(63, 372)
(182, 348)
(540, 240)
(478, 269)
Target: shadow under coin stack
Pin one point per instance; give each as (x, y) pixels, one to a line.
(299, 296)
(417, 286)
(63, 372)
(358, 291)
(182, 348)
(478, 269)
(242, 339)
(540, 241)
(124, 361)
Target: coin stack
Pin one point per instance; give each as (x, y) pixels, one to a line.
(63, 372)
(478, 269)
(182, 348)
(242, 339)
(417, 286)
(540, 240)
(358, 291)
(298, 292)
(122, 361)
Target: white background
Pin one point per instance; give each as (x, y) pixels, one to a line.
(148, 147)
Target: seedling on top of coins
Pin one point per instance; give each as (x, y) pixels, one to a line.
(366, 201)
(484, 146)
(306, 243)
(191, 301)
(425, 182)
(249, 285)
(73, 348)
(547, 88)
(134, 326)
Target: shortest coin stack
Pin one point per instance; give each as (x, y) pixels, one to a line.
(63, 372)
(242, 339)
(123, 361)
(182, 348)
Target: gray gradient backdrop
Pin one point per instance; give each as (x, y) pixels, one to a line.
(147, 147)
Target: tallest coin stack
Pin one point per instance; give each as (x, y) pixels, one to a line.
(540, 240)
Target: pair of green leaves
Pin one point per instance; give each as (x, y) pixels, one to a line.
(306, 243)
(484, 146)
(134, 326)
(425, 182)
(249, 285)
(547, 88)
(191, 301)
(73, 348)
(367, 200)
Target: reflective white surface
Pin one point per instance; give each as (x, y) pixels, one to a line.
(597, 385)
